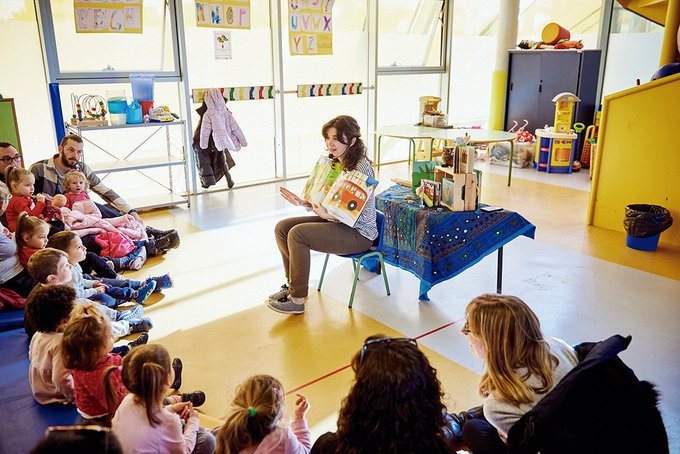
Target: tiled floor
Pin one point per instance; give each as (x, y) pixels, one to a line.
(583, 283)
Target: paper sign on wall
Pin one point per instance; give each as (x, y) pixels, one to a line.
(108, 16)
(310, 27)
(222, 43)
(223, 14)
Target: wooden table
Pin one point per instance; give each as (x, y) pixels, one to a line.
(413, 133)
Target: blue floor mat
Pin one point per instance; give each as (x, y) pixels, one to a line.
(23, 419)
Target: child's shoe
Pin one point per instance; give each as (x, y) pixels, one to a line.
(137, 262)
(135, 313)
(167, 242)
(111, 265)
(143, 292)
(162, 282)
(141, 340)
(177, 367)
(197, 398)
(141, 326)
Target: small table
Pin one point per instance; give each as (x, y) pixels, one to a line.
(438, 245)
(413, 133)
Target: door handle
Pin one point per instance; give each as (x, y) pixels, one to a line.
(540, 88)
(511, 85)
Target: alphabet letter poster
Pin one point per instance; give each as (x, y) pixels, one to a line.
(108, 16)
(223, 14)
(310, 27)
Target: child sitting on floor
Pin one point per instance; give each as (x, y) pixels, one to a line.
(30, 236)
(81, 214)
(109, 292)
(21, 184)
(142, 422)
(50, 266)
(253, 424)
(49, 308)
(87, 350)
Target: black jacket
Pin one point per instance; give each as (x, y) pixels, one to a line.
(213, 164)
(598, 407)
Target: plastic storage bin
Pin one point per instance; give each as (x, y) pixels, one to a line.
(116, 101)
(142, 86)
(134, 113)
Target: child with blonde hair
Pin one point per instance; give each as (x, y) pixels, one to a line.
(253, 423)
(13, 276)
(82, 214)
(30, 236)
(142, 422)
(109, 292)
(21, 184)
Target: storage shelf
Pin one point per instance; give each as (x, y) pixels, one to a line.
(135, 164)
(125, 126)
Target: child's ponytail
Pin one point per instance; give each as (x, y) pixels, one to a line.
(145, 373)
(258, 406)
(14, 175)
(26, 225)
(110, 395)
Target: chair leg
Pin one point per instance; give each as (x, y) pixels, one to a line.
(357, 268)
(384, 273)
(323, 272)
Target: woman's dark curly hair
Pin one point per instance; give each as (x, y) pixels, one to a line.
(395, 404)
(347, 129)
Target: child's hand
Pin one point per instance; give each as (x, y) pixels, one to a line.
(183, 409)
(100, 288)
(301, 407)
(40, 198)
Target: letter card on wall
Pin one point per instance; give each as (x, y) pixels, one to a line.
(310, 27)
(108, 17)
(223, 14)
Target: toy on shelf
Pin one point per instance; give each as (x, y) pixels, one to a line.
(162, 114)
(88, 110)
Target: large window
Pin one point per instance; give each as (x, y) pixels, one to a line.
(411, 34)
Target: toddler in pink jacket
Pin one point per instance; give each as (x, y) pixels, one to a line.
(252, 427)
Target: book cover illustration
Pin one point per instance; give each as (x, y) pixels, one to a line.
(422, 170)
(324, 174)
(347, 197)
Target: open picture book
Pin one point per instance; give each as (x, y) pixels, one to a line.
(343, 194)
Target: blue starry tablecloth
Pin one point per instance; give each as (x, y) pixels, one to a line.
(437, 245)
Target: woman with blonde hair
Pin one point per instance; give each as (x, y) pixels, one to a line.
(522, 366)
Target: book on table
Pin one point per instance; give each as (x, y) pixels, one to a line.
(342, 193)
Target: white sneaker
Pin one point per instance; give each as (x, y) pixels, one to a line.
(286, 306)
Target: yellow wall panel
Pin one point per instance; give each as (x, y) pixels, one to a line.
(638, 155)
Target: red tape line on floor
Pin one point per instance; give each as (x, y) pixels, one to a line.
(336, 371)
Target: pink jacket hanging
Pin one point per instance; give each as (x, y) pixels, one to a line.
(220, 122)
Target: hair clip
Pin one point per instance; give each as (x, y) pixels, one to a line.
(277, 391)
(120, 368)
(252, 412)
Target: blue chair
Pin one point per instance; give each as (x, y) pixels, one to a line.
(375, 251)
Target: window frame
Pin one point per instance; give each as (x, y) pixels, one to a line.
(439, 69)
(55, 74)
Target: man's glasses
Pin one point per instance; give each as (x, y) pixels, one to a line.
(385, 340)
(10, 159)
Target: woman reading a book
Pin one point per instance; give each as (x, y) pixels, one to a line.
(297, 236)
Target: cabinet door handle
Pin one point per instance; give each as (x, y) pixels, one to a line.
(511, 85)
(540, 88)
